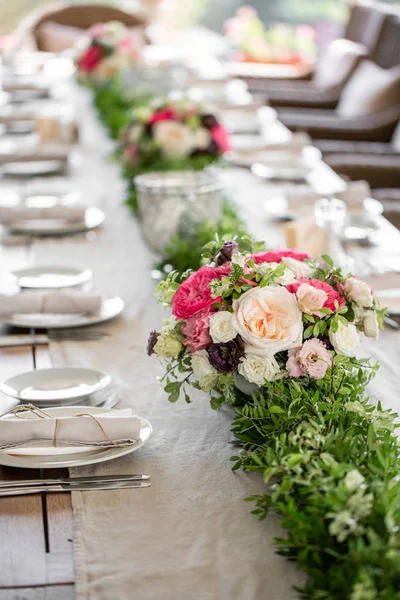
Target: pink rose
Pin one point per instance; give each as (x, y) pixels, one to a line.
(311, 299)
(194, 294)
(89, 61)
(196, 331)
(97, 30)
(332, 294)
(278, 255)
(221, 137)
(168, 114)
(311, 360)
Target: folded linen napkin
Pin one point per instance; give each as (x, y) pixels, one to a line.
(354, 196)
(37, 427)
(305, 235)
(13, 214)
(53, 302)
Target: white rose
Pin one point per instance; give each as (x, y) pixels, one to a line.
(258, 369)
(301, 270)
(310, 299)
(268, 319)
(285, 279)
(353, 480)
(175, 139)
(168, 345)
(201, 138)
(359, 292)
(370, 324)
(221, 328)
(201, 365)
(345, 340)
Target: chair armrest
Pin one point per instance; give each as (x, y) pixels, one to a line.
(348, 147)
(324, 124)
(379, 171)
(303, 95)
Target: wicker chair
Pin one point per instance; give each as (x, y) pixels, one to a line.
(76, 17)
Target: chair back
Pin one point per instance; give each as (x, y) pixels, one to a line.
(387, 52)
(365, 26)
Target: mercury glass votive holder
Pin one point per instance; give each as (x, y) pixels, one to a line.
(173, 202)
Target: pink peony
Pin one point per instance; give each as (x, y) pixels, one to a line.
(89, 61)
(277, 255)
(196, 332)
(311, 360)
(221, 137)
(194, 294)
(168, 114)
(320, 285)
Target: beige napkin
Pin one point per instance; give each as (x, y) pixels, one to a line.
(59, 302)
(27, 428)
(306, 236)
(13, 214)
(353, 196)
(52, 129)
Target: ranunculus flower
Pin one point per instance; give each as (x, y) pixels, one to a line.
(89, 61)
(221, 137)
(225, 357)
(345, 340)
(168, 114)
(194, 294)
(332, 294)
(370, 324)
(201, 365)
(221, 327)
(258, 369)
(278, 255)
(195, 330)
(299, 268)
(311, 299)
(268, 320)
(174, 139)
(312, 360)
(359, 292)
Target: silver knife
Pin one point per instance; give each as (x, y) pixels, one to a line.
(88, 487)
(72, 481)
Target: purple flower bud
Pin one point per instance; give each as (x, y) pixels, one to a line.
(152, 342)
(226, 357)
(225, 254)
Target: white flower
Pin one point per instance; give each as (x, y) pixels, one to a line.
(258, 369)
(266, 268)
(201, 365)
(201, 138)
(300, 269)
(353, 480)
(221, 328)
(370, 324)
(168, 345)
(310, 299)
(175, 139)
(238, 259)
(359, 292)
(268, 319)
(345, 340)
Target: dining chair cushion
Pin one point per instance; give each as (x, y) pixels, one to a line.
(396, 138)
(55, 37)
(370, 90)
(338, 62)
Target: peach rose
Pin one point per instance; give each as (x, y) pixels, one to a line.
(311, 299)
(268, 320)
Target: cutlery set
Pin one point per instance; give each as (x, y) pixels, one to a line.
(74, 484)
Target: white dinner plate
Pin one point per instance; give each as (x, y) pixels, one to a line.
(49, 386)
(110, 308)
(63, 457)
(389, 298)
(33, 168)
(52, 277)
(94, 217)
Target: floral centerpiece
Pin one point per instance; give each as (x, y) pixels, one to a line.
(171, 135)
(247, 320)
(105, 50)
(281, 43)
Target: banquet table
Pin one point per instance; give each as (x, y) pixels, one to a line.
(190, 535)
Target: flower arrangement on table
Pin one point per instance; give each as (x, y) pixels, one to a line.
(281, 43)
(248, 320)
(106, 50)
(171, 135)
